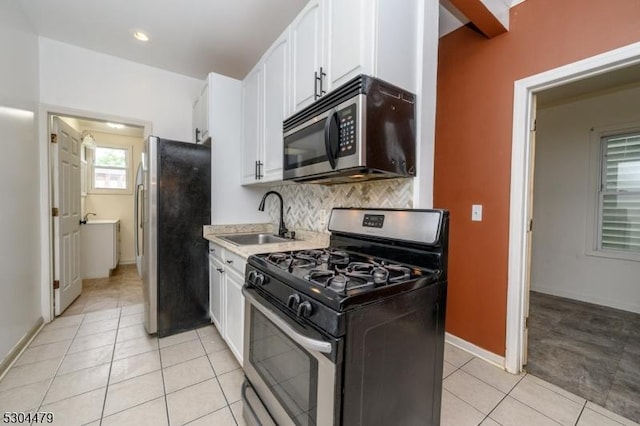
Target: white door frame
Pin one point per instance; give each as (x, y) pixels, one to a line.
(524, 90)
(46, 228)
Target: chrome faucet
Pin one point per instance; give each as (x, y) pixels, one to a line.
(282, 230)
(86, 217)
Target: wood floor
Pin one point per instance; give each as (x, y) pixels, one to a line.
(122, 288)
(590, 350)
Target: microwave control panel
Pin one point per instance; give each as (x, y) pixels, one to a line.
(347, 120)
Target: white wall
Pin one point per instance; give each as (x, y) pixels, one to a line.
(20, 214)
(563, 197)
(82, 79)
(118, 206)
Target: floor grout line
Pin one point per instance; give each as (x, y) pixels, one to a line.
(164, 386)
(55, 373)
(113, 352)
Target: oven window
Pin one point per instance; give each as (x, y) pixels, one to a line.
(288, 370)
(305, 147)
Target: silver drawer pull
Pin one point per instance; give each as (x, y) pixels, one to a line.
(229, 262)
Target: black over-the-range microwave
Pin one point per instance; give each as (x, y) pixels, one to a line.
(364, 129)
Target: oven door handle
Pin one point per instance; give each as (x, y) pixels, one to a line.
(304, 341)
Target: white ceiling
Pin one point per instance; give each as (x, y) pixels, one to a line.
(189, 37)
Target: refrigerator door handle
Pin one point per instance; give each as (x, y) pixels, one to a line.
(138, 217)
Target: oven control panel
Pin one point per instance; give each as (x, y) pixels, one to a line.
(373, 220)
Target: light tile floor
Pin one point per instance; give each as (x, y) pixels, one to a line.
(122, 288)
(101, 368)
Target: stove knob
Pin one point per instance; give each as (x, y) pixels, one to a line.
(293, 301)
(260, 279)
(304, 309)
(251, 277)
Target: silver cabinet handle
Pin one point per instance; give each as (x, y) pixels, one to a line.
(229, 262)
(220, 270)
(304, 341)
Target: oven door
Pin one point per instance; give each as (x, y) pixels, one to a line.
(288, 366)
(327, 142)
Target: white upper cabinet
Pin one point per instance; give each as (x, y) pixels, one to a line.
(251, 124)
(275, 71)
(306, 54)
(265, 99)
(348, 30)
(351, 37)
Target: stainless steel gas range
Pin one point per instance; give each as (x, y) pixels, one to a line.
(352, 334)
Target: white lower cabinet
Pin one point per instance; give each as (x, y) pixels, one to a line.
(226, 302)
(234, 312)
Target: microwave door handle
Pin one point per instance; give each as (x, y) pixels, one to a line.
(332, 138)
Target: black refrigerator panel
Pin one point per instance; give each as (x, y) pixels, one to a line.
(184, 207)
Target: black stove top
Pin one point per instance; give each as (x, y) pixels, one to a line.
(339, 271)
(338, 278)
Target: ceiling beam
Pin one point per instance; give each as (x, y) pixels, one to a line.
(491, 17)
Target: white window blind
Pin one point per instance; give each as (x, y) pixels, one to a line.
(620, 193)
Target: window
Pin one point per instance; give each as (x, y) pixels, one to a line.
(619, 196)
(110, 169)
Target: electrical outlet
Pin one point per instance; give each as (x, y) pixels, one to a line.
(476, 212)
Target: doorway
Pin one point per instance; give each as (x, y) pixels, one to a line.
(585, 254)
(104, 195)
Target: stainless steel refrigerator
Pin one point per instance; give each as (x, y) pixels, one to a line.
(172, 203)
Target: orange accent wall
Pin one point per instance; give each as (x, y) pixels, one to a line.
(474, 116)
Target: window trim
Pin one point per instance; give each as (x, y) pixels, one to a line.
(594, 208)
(128, 169)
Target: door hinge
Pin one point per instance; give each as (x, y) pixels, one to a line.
(526, 322)
(533, 127)
(56, 284)
(55, 212)
(54, 138)
(530, 225)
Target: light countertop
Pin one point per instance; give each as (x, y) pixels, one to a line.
(101, 221)
(304, 239)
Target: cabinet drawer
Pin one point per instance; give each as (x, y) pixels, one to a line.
(235, 261)
(216, 251)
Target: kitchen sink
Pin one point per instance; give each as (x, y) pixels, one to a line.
(254, 239)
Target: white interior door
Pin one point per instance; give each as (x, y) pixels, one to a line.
(527, 276)
(66, 224)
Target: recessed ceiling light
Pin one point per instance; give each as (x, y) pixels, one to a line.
(115, 125)
(141, 36)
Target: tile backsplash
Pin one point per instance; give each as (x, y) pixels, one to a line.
(308, 206)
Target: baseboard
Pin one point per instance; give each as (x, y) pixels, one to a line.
(17, 350)
(631, 307)
(474, 350)
(127, 262)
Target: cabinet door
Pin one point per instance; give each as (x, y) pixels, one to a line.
(276, 108)
(306, 53)
(216, 292)
(251, 123)
(234, 317)
(349, 40)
